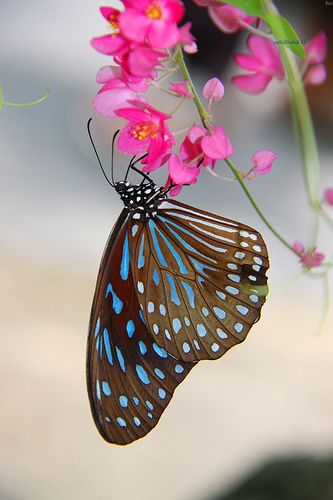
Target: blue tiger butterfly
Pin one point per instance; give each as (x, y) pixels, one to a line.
(176, 285)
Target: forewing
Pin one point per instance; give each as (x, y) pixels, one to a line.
(201, 280)
(130, 378)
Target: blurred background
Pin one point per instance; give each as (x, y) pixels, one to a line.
(268, 400)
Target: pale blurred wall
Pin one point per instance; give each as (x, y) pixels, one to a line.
(270, 396)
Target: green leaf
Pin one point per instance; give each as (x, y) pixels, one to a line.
(284, 33)
(252, 7)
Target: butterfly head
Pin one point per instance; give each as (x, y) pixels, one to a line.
(145, 195)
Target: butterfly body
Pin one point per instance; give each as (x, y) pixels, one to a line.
(176, 285)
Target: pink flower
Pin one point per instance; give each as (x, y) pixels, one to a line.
(328, 196)
(201, 146)
(152, 20)
(217, 145)
(145, 132)
(316, 75)
(191, 150)
(187, 39)
(113, 96)
(229, 19)
(316, 49)
(309, 258)
(264, 60)
(213, 89)
(226, 17)
(180, 173)
(113, 43)
(108, 73)
(262, 163)
(181, 88)
(116, 92)
(140, 62)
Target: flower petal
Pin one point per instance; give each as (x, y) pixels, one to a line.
(227, 17)
(263, 160)
(109, 44)
(316, 75)
(180, 173)
(108, 101)
(217, 145)
(163, 35)
(248, 62)
(213, 89)
(265, 50)
(316, 49)
(134, 115)
(328, 196)
(133, 25)
(252, 84)
(128, 144)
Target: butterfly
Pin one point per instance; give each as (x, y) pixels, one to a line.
(176, 285)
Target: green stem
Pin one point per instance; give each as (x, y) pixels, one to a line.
(204, 114)
(326, 305)
(303, 127)
(23, 104)
(326, 217)
(1, 97)
(255, 206)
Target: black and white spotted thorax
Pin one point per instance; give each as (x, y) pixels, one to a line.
(145, 196)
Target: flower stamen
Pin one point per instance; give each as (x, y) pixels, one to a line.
(144, 131)
(154, 10)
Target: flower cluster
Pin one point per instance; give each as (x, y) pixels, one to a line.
(309, 258)
(264, 62)
(141, 39)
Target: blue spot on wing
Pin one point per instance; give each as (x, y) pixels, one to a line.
(160, 351)
(219, 312)
(123, 401)
(130, 328)
(156, 277)
(162, 393)
(107, 345)
(189, 292)
(174, 252)
(120, 359)
(98, 390)
(149, 405)
(200, 267)
(152, 227)
(141, 317)
(142, 374)
(181, 240)
(173, 290)
(142, 347)
(98, 325)
(124, 266)
(106, 388)
(117, 304)
(141, 259)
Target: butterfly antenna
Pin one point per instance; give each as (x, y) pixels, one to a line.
(112, 154)
(141, 173)
(97, 155)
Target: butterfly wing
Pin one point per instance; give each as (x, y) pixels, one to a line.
(201, 280)
(130, 378)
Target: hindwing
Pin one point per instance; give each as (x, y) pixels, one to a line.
(200, 279)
